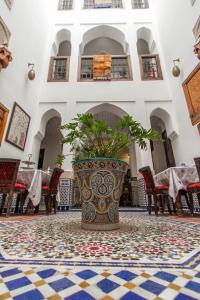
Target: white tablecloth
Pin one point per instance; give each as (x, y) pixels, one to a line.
(34, 179)
(177, 178)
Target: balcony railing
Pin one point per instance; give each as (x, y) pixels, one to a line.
(90, 4)
(140, 4)
(121, 68)
(150, 67)
(59, 68)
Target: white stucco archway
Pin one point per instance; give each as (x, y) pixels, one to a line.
(104, 31)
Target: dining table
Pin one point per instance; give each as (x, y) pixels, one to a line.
(177, 178)
(33, 179)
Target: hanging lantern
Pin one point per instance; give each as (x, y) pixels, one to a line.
(31, 73)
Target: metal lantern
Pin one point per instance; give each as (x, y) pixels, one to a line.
(31, 73)
(176, 70)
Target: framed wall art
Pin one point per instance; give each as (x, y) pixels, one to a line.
(191, 87)
(3, 119)
(18, 127)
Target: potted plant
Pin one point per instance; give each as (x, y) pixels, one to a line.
(59, 160)
(99, 171)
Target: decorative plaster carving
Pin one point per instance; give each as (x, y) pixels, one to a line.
(5, 57)
(197, 48)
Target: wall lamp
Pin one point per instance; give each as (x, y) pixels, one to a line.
(176, 70)
(31, 72)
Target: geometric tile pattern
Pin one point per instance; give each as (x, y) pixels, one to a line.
(141, 241)
(25, 273)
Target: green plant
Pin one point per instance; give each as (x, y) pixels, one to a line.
(59, 159)
(90, 137)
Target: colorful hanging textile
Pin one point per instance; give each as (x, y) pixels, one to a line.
(102, 67)
(102, 3)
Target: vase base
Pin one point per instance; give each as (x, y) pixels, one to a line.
(100, 227)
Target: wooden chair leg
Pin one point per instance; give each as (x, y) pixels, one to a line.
(191, 203)
(54, 204)
(23, 196)
(162, 203)
(155, 204)
(37, 208)
(168, 204)
(198, 197)
(187, 200)
(3, 200)
(149, 204)
(9, 204)
(46, 200)
(173, 205)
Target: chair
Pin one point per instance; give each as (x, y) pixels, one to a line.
(50, 191)
(8, 184)
(194, 188)
(159, 193)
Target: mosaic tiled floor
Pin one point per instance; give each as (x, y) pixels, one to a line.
(53, 258)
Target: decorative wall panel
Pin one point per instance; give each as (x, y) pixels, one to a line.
(191, 88)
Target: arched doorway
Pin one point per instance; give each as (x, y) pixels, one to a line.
(111, 115)
(161, 150)
(50, 146)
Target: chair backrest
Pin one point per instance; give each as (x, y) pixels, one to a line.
(8, 170)
(55, 180)
(148, 177)
(197, 163)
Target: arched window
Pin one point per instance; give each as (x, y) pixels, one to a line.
(9, 3)
(149, 60)
(104, 55)
(4, 33)
(59, 62)
(196, 29)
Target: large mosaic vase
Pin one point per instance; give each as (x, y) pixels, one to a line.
(100, 182)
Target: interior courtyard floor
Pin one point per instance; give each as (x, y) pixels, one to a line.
(51, 257)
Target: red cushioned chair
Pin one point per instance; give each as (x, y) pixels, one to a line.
(194, 188)
(50, 191)
(8, 184)
(159, 193)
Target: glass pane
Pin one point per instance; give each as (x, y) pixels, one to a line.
(86, 68)
(150, 68)
(104, 4)
(66, 4)
(140, 4)
(59, 69)
(120, 68)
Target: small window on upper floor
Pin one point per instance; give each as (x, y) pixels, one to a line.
(103, 4)
(139, 4)
(9, 3)
(59, 64)
(65, 4)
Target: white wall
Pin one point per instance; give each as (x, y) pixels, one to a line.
(131, 96)
(32, 40)
(175, 21)
(28, 22)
